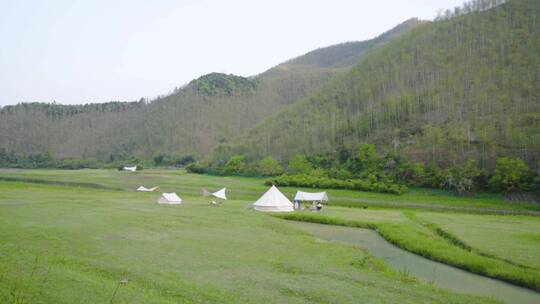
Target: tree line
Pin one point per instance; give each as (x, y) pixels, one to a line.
(369, 170)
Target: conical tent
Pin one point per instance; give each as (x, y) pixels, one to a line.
(220, 193)
(170, 198)
(273, 201)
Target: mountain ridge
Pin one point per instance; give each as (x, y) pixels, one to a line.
(456, 89)
(193, 119)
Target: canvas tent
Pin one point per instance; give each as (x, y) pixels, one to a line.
(170, 198)
(220, 193)
(144, 189)
(312, 197)
(132, 169)
(273, 201)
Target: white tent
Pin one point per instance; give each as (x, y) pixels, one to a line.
(273, 201)
(220, 193)
(144, 189)
(132, 169)
(170, 198)
(312, 197)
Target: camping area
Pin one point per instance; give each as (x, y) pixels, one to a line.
(88, 236)
(270, 151)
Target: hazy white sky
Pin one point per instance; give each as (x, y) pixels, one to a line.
(100, 50)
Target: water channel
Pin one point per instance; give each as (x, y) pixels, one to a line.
(442, 275)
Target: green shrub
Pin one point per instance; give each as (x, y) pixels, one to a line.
(270, 167)
(511, 175)
(312, 181)
(235, 165)
(299, 165)
(461, 179)
(196, 168)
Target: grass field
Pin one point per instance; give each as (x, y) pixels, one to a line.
(245, 188)
(75, 243)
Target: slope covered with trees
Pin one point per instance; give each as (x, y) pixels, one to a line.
(463, 87)
(191, 120)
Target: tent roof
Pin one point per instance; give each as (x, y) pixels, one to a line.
(273, 197)
(220, 193)
(309, 196)
(171, 197)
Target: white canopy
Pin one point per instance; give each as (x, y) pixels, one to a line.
(308, 196)
(144, 189)
(132, 169)
(273, 201)
(220, 193)
(170, 198)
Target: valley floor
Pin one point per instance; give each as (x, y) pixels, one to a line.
(87, 237)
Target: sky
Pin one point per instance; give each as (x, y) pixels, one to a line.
(72, 51)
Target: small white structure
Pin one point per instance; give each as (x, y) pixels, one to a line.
(311, 197)
(144, 189)
(273, 201)
(170, 198)
(220, 193)
(132, 169)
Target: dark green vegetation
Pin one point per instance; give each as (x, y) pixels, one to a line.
(367, 171)
(192, 119)
(462, 88)
(66, 244)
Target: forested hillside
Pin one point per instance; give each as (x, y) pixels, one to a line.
(463, 87)
(191, 120)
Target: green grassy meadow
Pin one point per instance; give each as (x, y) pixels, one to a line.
(77, 243)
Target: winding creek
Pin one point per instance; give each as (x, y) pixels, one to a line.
(442, 275)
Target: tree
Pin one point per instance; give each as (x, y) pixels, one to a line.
(511, 175)
(158, 159)
(235, 165)
(270, 167)
(299, 165)
(461, 179)
(366, 161)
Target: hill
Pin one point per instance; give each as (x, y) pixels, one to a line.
(462, 87)
(193, 119)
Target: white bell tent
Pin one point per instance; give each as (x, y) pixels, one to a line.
(273, 201)
(170, 198)
(144, 189)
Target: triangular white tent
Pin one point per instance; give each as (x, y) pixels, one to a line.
(220, 193)
(312, 197)
(132, 169)
(273, 201)
(170, 198)
(144, 189)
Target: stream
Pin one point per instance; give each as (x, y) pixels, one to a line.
(442, 275)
